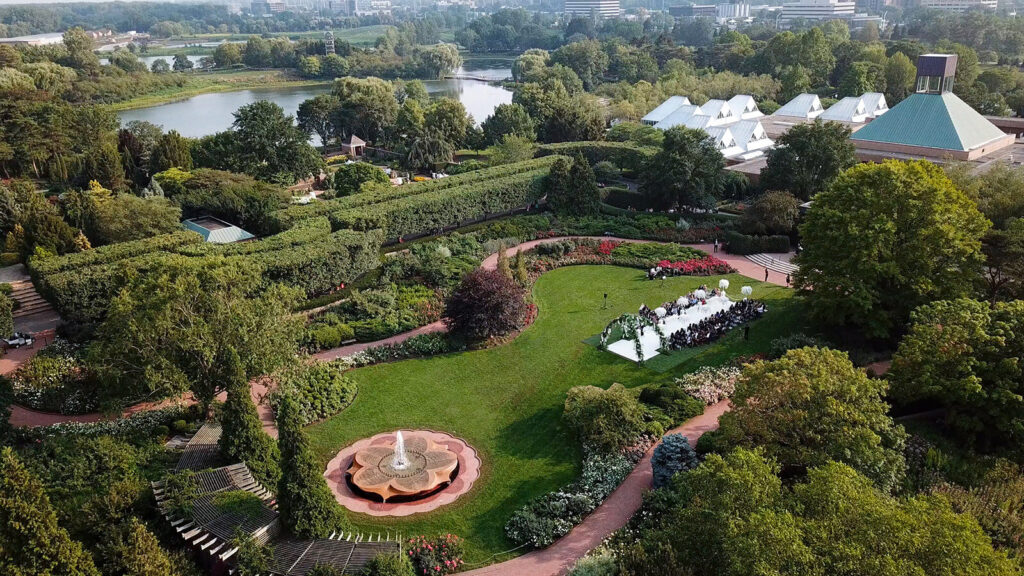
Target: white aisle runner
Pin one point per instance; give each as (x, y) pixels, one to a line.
(650, 342)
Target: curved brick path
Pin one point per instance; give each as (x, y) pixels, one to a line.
(611, 515)
(554, 560)
(21, 416)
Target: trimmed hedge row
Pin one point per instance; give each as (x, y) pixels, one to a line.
(288, 217)
(622, 154)
(82, 295)
(113, 252)
(442, 208)
(742, 244)
(302, 233)
(318, 266)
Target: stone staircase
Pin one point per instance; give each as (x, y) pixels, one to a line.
(773, 263)
(30, 303)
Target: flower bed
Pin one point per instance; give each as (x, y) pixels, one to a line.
(422, 345)
(710, 385)
(574, 252)
(441, 555)
(553, 515)
(706, 266)
(55, 381)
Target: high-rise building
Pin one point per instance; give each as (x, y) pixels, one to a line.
(729, 11)
(959, 5)
(694, 11)
(599, 8)
(816, 10)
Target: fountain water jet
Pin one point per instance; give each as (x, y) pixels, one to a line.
(400, 461)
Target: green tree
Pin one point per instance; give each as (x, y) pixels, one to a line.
(585, 58)
(252, 558)
(242, 437)
(609, 420)
(773, 212)
(182, 63)
(508, 119)
(686, 172)
(333, 66)
(863, 77)
(257, 53)
(135, 551)
(410, 122)
(169, 329)
(795, 81)
(509, 149)
(574, 119)
(811, 406)
(79, 52)
(968, 356)
(834, 522)
(314, 116)
(448, 119)
(307, 508)
(884, 239)
(6, 319)
(31, 541)
(227, 54)
(808, 158)
(349, 178)
(900, 74)
(51, 77)
(128, 217)
(309, 66)
(170, 151)
(159, 66)
(270, 147)
(1004, 260)
(429, 151)
(367, 108)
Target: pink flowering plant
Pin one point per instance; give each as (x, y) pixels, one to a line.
(438, 555)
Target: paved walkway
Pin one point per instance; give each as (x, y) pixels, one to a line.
(21, 416)
(610, 516)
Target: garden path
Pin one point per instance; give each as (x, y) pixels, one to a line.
(21, 416)
(610, 516)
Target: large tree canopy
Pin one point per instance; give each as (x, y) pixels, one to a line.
(808, 158)
(884, 239)
(687, 171)
(970, 357)
(170, 330)
(833, 522)
(812, 406)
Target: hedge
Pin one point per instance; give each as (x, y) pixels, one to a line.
(303, 232)
(443, 208)
(113, 252)
(288, 217)
(82, 295)
(623, 198)
(737, 243)
(622, 154)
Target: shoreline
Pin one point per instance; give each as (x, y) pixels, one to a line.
(152, 100)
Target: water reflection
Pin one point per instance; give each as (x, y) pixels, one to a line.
(210, 113)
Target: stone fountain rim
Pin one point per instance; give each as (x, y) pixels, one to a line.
(469, 472)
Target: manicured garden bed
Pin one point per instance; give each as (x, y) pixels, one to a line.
(507, 401)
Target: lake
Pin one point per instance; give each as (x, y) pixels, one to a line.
(210, 113)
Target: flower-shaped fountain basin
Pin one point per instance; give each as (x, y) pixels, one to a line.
(429, 465)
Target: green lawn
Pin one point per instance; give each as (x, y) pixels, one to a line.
(507, 401)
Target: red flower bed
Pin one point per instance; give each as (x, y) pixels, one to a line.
(706, 266)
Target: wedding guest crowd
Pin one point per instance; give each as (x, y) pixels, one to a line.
(714, 327)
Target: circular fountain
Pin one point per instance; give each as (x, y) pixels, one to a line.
(402, 471)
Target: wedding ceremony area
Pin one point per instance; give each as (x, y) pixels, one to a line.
(694, 319)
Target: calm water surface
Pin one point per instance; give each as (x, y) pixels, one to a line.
(210, 113)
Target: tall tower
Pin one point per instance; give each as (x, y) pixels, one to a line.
(328, 43)
(935, 73)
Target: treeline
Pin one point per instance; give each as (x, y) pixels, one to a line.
(163, 20)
